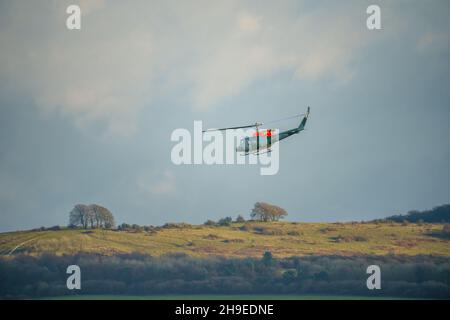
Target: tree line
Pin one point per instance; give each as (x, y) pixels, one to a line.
(96, 216)
(137, 274)
(439, 214)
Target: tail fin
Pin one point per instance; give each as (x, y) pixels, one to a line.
(303, 123)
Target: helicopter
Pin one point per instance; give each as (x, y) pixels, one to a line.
(262, 140)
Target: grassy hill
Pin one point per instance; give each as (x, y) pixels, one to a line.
(251, 239)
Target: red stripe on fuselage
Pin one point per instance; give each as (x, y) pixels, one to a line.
(263, 133)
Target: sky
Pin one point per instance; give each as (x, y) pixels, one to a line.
(86, 115)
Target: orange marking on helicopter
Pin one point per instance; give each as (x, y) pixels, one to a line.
(263, 133)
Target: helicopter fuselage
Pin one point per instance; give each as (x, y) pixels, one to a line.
(264, 139)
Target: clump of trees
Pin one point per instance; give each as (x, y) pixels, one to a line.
(267, 212)
(136, 228)
(91, 216)
(210, 223)
(439, 214)
(227, 221)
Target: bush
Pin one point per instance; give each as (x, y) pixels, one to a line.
(245, 227)
(211, 237)
(210, 223)
(233, 241)
(181, 225)
(240, 219)
(268, 231)
(225, 221)
(341, 238)
(39, 229)
(327, 229)
(150, 229)
(267, 258)
(124, 227)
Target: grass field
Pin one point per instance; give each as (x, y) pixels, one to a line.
(251, 239)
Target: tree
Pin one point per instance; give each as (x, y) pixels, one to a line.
(240, 219)
(92, 215)
(225, 221)
(290, 275)
(124, 227)
(102, 216)
(79, 216)
(267, 258)
(267, 212)
(210, 223)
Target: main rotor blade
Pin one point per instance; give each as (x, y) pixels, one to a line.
(287, 118)
(256, 124)
(232, 128)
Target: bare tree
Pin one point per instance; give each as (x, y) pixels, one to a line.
(93, 216)
(102, 217)
(79, 216)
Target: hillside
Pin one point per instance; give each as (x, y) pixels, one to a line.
(251, 239)
(435, 215)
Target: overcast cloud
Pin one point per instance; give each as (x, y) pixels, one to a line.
(86, 116)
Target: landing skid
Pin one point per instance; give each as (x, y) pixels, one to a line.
(257, 153)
